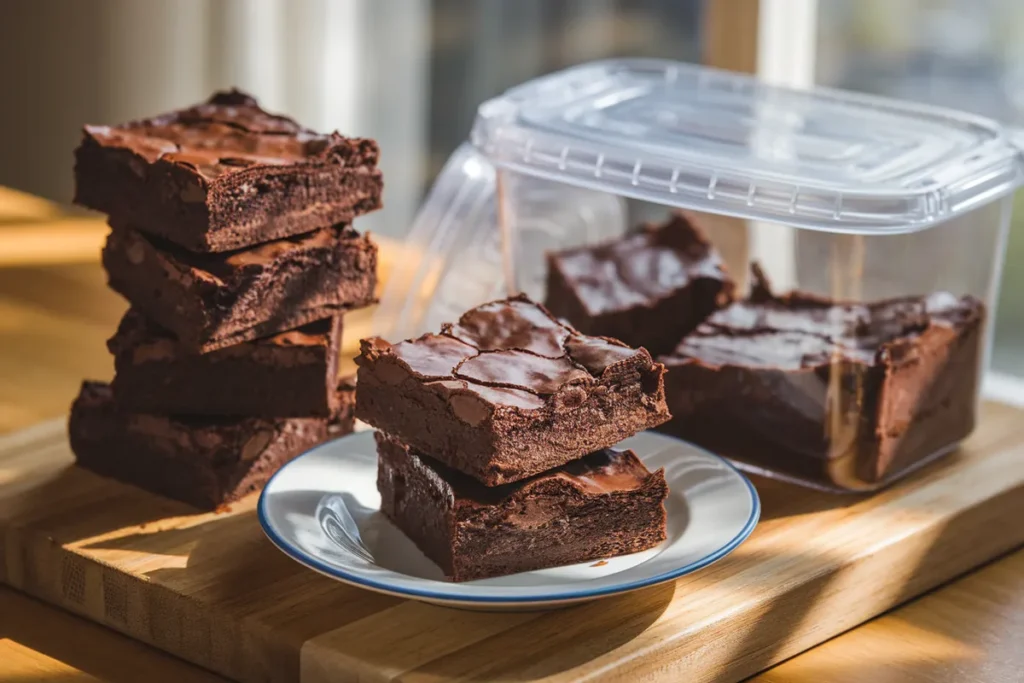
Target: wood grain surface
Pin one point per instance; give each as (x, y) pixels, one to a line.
(52, 334)
(39, 643)
(211, 589)
(16, 206)
(971, 630)
(64, 240)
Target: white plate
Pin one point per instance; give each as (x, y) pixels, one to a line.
(323, 510)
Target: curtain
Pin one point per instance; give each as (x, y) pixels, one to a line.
(358, 66)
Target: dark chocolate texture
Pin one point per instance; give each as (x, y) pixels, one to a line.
(602, 505)
(508, 392)
(225, 175)
(216, 300)
(648, 289)
(842, 395)
(292, 374)
(205, 462)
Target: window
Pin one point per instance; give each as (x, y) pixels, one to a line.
(965, 54)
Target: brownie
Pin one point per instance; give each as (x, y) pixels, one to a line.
(508, 391)
(842, 395)
(210, 301)
(225, 174)
(205, 462)
(602, 505)
(292, 374)
(648, 289)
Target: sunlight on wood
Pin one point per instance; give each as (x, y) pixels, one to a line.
(969, 630)
(393, 642)
(834, 604)
(46, 644)
(71, 240)
(14, 415)
(896, 654)
(18, 316)
(145, 561)
(163, 524)
(16, 205)
(8, 474)
(25, 665)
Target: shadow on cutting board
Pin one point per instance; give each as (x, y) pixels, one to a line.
(780, 499)
(234, 569)
(84, 506)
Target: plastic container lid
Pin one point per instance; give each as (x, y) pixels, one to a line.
(711, 140)
(685, 136)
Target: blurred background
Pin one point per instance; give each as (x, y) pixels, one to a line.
(411, 72)
(966, 54)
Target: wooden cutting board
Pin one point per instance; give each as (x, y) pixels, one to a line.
(211, 589)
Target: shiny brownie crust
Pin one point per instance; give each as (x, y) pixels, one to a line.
(508, 392)
(225, 174)
(648, 289)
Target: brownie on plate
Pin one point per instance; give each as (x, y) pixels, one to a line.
(837, 393)
(648, 289)
(210, 301)
(292, 374)
(203, 461)
(508, 391)
(225, 175)
(600, 506)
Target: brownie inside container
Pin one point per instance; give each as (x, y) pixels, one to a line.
(649, 288)
(840, 395)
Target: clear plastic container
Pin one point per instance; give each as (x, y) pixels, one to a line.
(887, 220)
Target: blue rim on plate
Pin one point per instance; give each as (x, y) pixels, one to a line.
(332, 571)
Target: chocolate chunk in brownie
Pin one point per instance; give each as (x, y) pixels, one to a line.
(508, 391)
(209, 301)
(648, 289)
(201, 461)
(602, 505)
(840, 394)
(225, 175)
(292, 374)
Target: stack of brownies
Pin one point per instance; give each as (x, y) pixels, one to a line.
(231, 239)
(494, 450)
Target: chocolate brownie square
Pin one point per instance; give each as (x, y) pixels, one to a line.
(209, 301)
(508, 391)
(202, 461)
(225, 174)
(292, 374)
(648, 289)
(602, 505)
(843, 395)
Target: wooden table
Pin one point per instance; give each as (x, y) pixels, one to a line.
(53, 321)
